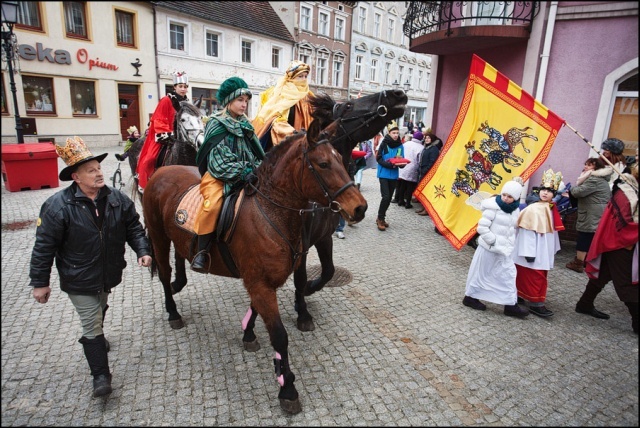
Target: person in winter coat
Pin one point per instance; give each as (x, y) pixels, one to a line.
(492, 274)
(592, 193)
(160, 129)
(408, 176)
(537, 242)
(365, 161)
(613, 255)
(391, 147)
(612, 149)
(427, 158)
(84, 228)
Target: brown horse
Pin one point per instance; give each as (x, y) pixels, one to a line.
(268, 237)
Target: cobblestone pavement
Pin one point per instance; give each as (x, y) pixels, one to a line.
(395, 346)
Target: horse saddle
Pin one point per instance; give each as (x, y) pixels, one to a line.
(189, 208)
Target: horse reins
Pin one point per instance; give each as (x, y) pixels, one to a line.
(381, 111)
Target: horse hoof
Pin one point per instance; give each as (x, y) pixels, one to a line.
(291, 406)
(252, 346)
(176, 324)
(305, 325)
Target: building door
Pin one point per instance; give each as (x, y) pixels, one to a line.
(129, 104)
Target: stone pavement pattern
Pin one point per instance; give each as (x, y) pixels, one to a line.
(394, 347)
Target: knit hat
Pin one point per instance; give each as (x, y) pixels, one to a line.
(180, 77)
(296, 67)
(74, 154)
(613, 145)
(513, 188)
(231, 89)
(418, 136)
(393, 126)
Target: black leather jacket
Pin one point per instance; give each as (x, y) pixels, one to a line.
(88, 259)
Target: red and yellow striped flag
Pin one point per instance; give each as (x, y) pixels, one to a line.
(500, 132)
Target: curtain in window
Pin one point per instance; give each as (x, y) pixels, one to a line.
(74, 17)
(28, 14)
(124, 28)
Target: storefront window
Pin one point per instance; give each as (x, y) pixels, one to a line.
(83, 97)
(209, 101)
(38, 95)
(624, 118)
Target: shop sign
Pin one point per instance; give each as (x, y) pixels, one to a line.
(61, 56)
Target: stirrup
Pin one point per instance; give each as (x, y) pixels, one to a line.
(201, 269)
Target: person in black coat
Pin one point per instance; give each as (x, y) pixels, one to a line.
(428, 157)
(84, 229)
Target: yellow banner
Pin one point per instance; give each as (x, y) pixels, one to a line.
(500, 132)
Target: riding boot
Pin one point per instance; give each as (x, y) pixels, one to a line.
(95, 350)
(586, 302)
(202, 259)
(633, 310)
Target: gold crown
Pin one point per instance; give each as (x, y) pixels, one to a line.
(551, 180)
(132, 129)
(75, 151)
(392, 125)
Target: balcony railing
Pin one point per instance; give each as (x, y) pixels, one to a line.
(424, 17)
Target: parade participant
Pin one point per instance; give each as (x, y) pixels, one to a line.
(227, 158)
(427, 158)
(537, 242)
(492, 274)
(408, 176)
(161, 128)
(284, 107)
(612, 149)
(391, 147)
(613, 255)
(84, 228)
(134, 134)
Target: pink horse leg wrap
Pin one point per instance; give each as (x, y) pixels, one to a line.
(246, 319)
(281, 377)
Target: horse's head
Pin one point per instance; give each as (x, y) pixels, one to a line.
(189, 125)
(359, 119)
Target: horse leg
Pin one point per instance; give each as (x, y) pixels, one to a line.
(305, 320)
(264, 300)
(161, 253)
(249, 340)
(181, 275)
(324, 247)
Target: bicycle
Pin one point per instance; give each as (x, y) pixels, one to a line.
(117, 178)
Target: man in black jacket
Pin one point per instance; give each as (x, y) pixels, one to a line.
(84, 228)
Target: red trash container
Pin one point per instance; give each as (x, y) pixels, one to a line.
(29, 166)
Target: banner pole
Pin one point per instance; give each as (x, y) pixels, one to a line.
(600, 154)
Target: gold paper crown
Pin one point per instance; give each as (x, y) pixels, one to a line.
(551, 180)
(132, 129)
(392, 125)
(75, 151)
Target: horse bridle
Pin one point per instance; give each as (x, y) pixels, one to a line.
(380, 111)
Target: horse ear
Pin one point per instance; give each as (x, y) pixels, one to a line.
(313, 132)
(199, 102)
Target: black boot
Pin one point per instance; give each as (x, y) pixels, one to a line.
(202, 259)
(95, 350)
(586, 303)
(633, 310)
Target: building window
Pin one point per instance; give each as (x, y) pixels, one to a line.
(176, 36)
(387, 73)
(400, 74)
(377, 23)
(410, 77)
(374, 70)
(246, 51)
(124, 29)
(358, 66)
(624, 117)
(338, 64)
(75, 18)
(38, 95)
(29, 15)
(212, 41)
(391, 30)
(209, 103)
(305, 18)
(83, 97)
(340, 28)
(323, 23)
(276, 53)
(420, 77)
(304, 55)
(362, 19)
(321, 69)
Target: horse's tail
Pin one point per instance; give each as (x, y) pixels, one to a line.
(154, 265)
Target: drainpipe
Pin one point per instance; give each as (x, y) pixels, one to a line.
(155, 49)
(544, 64)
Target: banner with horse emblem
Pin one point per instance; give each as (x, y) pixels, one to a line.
(500, 132)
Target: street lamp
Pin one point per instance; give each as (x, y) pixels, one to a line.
(10, 17)
(395, 84)
(407, 86)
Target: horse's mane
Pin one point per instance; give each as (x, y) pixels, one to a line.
(273, 156)
(322, 106)
(190, 108)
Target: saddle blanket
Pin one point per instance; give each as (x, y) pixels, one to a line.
(189, 208)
